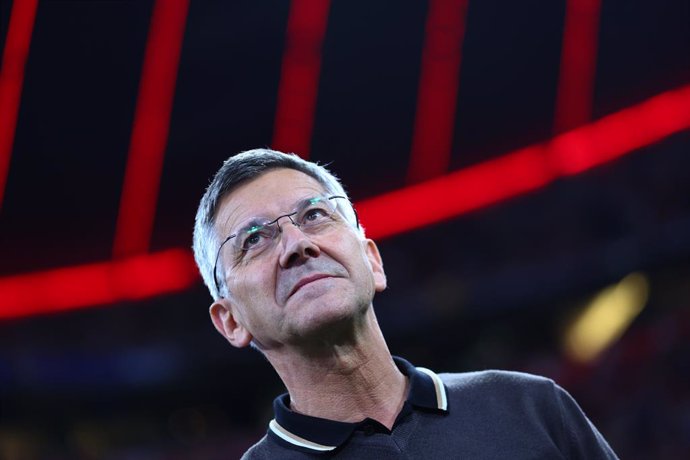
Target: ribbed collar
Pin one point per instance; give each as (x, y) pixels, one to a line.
(315, 434)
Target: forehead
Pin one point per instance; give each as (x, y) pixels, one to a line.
(270, 193)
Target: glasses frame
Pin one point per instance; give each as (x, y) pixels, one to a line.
(275, 221)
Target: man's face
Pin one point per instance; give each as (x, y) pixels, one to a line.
(301, 285)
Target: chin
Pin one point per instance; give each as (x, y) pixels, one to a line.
(329, 324)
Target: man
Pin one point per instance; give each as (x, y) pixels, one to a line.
(292, 274)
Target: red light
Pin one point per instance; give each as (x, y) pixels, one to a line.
(22, 19)
(526, 169)
(622, 132)
(432, 138)
(578, 64)
(299, 78)
(150, 130)
(454, 194)
(96, 284)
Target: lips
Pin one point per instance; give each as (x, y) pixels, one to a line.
(306, 280)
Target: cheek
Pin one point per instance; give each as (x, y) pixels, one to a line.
(253, 298)
(359, 266)
(253, 286)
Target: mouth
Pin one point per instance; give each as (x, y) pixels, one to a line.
(306, 280)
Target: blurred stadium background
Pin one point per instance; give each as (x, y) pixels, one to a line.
(525, 167)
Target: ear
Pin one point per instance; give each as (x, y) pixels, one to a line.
(376, 262)
(226, 323)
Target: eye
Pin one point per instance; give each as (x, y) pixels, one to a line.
(316, 213)
(255, 237)
(252, 240)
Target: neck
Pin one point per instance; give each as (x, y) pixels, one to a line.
(346, 382)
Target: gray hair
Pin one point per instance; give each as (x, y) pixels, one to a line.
(237, 170)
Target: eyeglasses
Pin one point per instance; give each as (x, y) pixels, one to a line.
(311, 216)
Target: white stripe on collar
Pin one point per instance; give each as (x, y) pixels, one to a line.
(296, 440)
(441, 400)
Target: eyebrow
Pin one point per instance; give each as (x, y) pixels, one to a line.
(254, 223)
(257, 220)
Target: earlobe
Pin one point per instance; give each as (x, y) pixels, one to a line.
(376, 262)
(227, 325)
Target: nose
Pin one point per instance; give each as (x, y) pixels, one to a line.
(296, 247)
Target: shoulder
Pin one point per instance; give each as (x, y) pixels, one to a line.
(495, 379)
(259, 450)
(523, 406)
(503, 390)
(499, 382)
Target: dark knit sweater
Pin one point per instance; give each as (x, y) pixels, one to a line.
(477, 415)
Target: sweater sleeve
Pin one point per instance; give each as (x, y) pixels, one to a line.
(583, 439)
